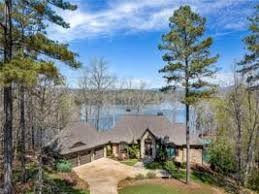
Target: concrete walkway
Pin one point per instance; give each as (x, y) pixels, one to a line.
(103, 175)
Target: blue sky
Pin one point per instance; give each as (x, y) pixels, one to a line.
(127, 34)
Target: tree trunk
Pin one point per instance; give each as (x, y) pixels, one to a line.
(8, 110)
(237, 112)
(39, 185)
(31, 123)
(86, 113)
(22, 141)
(98, 117)
(40, 175)
(187, 144)
(187, 120)
(8, 101)
(252, 141)
(40, 142)
(249, 159)
(40, 172)
(239, 153)
(32, 136)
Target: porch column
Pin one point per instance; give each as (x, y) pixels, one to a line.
(153, 148)
(142, 148)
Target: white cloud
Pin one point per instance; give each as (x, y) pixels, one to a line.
(126, 16)
(137, 83)
(222, 79)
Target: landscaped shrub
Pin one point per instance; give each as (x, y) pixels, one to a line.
(183, 165)
(154, 165)
(139, 177)
(134, 151)
(63, 166)
(173, 170)
(221, 157)
(161, 155)
(151, 175)
(170, 167)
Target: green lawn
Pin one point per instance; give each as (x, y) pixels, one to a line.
(200, 176)
(130, 162)
(149, 188)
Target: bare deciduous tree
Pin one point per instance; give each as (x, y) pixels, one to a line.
(95, 83)
(141, 96)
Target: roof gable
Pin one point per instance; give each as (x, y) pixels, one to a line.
(149, 132)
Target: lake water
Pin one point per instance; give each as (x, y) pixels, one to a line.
(111, 114)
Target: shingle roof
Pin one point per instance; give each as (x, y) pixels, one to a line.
(129, 128)
(132, 127)
(78, 132)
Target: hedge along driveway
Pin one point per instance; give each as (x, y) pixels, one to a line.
(103, 175)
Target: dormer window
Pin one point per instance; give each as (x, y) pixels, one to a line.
(78, 144)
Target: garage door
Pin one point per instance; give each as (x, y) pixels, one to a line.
(86, 158)
(99, 153)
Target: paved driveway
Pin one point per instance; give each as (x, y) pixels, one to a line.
(103, 175)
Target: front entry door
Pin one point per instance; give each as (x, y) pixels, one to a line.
(148, 148)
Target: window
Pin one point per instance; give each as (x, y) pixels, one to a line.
(123, 148)
(171, 152)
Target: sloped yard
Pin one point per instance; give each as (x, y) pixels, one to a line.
(104, 176)
(158, 186)
(53, 181)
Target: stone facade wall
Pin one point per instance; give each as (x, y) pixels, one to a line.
(115, 150)
(105, 151)
(92, 155)
(147, 135)
(195, 155)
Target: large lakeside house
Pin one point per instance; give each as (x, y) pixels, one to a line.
(81, 143)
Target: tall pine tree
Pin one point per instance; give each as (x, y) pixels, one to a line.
(188, 63)
(250, 63)
(249, 68)
(7, 52)
(27, 53)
